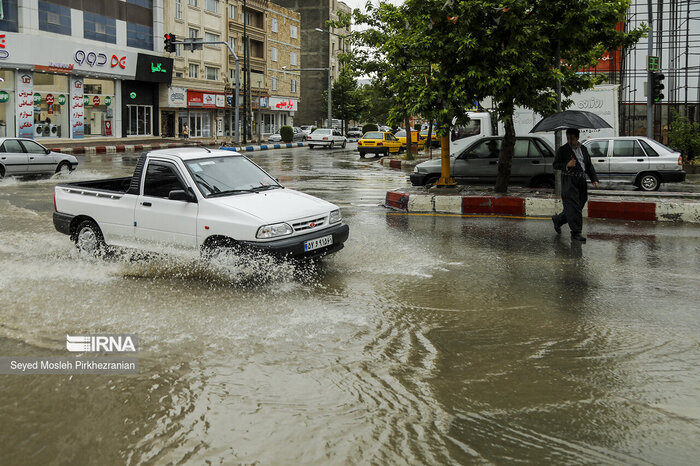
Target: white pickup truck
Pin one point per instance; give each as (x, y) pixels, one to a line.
(197, 199)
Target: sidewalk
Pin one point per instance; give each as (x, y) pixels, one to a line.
(662, 207)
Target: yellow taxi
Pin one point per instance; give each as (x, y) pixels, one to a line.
(415, 137)
(434, 139)
(378, 143)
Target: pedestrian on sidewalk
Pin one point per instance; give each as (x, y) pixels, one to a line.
(574, 162)
(185, 131)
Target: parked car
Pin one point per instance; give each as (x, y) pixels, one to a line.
(378, 143)
(307, 129)
(415, 137)
(327, 137)
(197, 199)
(354, 132)
(299, 135)
(20, 156)
(641, 161)
(532, 163)
(434, 139)
(385, 128)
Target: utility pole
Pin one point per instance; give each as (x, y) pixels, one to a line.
(245, 73)
(557, 133)
(650, 98)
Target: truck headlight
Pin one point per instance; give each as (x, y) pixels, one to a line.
(273, 231)
(335, 216)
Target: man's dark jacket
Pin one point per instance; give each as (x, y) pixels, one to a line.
(563, 156)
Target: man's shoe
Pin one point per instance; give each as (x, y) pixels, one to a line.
(578, 237)
(557, 228)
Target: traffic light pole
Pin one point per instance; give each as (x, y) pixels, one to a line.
(650, 84)
(198, 43)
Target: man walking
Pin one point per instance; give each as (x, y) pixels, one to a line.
(575, 163)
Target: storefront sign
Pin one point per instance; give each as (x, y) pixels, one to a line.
(61, 99)
(55, 68)
(49, 99)
(264, 102)
(4, 97)
(209, 100)
(108, 101)
(177, 97)
(77, 110)
(96, 100)
(3, 53)
(25, 105)
(132, 95)
(37, 98)
(86, 100)
(229, 100)
(220, 100)
(108, 128)
(287, 104)
(206, 100)
(152, 68)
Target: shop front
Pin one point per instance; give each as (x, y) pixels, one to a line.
(280, 112)
(56, 88)
(204, 115)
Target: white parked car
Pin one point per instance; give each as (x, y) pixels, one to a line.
(20, 156)
(327, 137)
(201, 200)
(641, 161)
(299, 135)
(307, 129)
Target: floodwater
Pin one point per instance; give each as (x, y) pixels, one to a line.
(427, 340)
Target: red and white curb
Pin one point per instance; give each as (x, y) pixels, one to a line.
(126, 148)
(662, 211)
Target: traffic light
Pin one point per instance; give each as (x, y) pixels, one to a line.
(168, 45)
(657, 86)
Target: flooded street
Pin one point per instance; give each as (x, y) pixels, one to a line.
(427, 340)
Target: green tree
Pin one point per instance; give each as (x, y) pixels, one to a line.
(684, 135)
(347, 98)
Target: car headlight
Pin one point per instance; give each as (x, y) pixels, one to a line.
(335, 216)
(273, 231)
(415, 169)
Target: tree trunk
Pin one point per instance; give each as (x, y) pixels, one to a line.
(505, 158)
(409, 147)
(430, 139)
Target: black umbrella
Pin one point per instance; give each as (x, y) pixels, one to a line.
(570, 119)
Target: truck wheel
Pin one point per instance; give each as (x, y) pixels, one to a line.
(89, 239)
(648, 182)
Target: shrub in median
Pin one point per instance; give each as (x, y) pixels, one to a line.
(369, 127)
(287, 133)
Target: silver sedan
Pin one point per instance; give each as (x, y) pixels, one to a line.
(27, 157)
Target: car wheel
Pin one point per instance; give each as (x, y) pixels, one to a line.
(311, 146)
(89, 239)
(431, 179)
(648, 182)
(362, 155)
(332, 144)
(63, 168)
(543, 183)
(2, 172)
(344, 144)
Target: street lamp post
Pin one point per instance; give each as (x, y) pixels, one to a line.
(342, 38)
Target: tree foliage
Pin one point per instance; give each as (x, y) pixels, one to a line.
(684, 135)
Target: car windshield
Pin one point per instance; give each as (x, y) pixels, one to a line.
(220, 176)
(400, 134)
(322, 131)
(372, 136)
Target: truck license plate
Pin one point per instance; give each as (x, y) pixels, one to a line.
(318, 243)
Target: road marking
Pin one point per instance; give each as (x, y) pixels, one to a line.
(467, 215)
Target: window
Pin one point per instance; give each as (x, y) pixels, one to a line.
(194, 71)
(178, 9)
(211, 37)
(161, 178)
(139, 36)
(232, 43)
(648, 149)
(247, 18)
(472, 128)
(273, 53)
(12, 146)
(193, 2)
(98, 27)
(232, 12)
(293, 32)
(274, 83)
(627, 148)
(54, 18)
(211, 73)
(488, 149)
(212, 6)
(194, 33)
(33, 148)
(274, 25)
(598, 148)
(293, 58)
(9, 21)
(293, 85)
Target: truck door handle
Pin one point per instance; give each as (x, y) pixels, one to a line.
(146, 204)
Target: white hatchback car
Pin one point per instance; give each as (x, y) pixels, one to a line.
(327, 137)
(19, 156)
(641, 161)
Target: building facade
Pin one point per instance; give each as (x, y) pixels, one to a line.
(78, 69)
(319, 49)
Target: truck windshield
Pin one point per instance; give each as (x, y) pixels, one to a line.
(222, 176)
